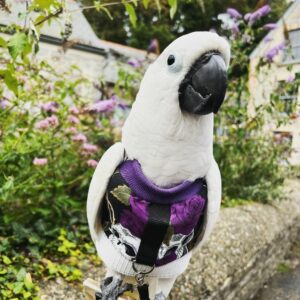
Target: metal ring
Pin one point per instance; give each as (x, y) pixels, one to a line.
(135, 269)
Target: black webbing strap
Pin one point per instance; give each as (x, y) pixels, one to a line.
(154, 233)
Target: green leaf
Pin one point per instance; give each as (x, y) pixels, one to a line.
(10, 81)
(122, 193)
(28, 281)
(21, 275)
(44, 4)
(18, 45)
(97, 5)
(173, 7)
(146, 3)
(107, 12)
(6, 260)
(2, 42)
(18, 286)
(157, 2)
(131, 12)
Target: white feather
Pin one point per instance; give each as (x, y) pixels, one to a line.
(105, 169)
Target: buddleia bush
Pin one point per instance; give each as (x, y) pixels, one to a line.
(253, 161)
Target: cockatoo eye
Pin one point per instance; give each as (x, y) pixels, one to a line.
(174, 63)
(171, 60)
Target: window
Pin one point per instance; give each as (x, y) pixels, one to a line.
(288, 94)
(292, 52)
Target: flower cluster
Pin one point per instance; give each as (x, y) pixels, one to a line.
(103, 106)
(258, 14)
(4, 104)
(233, 13)
(92, 163)
(40, 161)
(250, 18)
(80, 137)
(271, 53)
(50, 107)
(51, 121)
(73, 120)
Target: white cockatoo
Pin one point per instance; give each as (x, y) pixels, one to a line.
(155, 196)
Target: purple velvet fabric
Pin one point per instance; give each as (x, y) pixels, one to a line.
(142, 187)
(185, 215)
(136, 218)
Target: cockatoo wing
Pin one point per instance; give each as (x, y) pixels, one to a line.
(105, 169)
(214, 188)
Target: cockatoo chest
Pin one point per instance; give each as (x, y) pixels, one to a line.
(149, 224)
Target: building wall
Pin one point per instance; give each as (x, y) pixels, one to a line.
(264, 80)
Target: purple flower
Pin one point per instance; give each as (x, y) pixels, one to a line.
(258, 14)
(51, 107)
(153, 46)
(134, 63)
(80, 137)
(185, 215)
(235, 29)
(264, 10)
(135, 219)
(92, 163)
(43, 124)
(89, 148)
(290, 78)
(233, 13)
(270, 26)
(267, 39)
(270, 54)
(40, 161)
(103, 106)
(74, 110)
(72, 119)
(247, 16)
(4, 104)
(53, 121)
(48, 122)
(71, 130)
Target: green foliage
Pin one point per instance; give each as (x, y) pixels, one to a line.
(283, 268)
(154, 19)
(253, 164)
(51, 138)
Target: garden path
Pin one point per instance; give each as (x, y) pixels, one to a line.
(285, 285)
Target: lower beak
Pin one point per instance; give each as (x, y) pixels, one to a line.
(203, 89)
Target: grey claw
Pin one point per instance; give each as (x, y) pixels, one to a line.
(111, 288)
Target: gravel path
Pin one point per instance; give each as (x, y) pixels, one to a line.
(285, 285)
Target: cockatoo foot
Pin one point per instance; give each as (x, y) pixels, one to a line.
(112, 288)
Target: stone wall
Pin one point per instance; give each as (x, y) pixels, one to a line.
(244, 250)
(246, 246)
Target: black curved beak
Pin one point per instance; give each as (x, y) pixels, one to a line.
(203, 89)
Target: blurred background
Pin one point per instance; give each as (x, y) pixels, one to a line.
(69, 73)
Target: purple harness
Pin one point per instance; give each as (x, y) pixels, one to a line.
(151, 224)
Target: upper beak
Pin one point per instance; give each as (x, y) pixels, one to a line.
(203, 89)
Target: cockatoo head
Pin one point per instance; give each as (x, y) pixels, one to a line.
(190, 74)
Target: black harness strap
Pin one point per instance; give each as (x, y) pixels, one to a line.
(154, 233)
